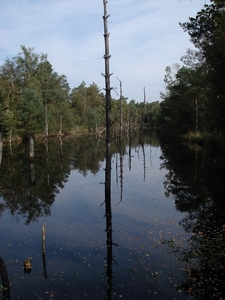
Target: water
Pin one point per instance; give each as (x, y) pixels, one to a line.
(68, 196)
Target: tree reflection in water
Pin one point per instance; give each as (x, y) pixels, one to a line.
(196, 181)
(5, 287)
(141, 268)
(109, 231)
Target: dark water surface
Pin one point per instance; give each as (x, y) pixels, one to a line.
(161, 197)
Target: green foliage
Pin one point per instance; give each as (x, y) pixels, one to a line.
(195, 94)
(30, 113)
(87, 104)
(178, 107)
(41, 101)
(35, 94)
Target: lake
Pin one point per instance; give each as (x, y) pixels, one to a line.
(160, 234)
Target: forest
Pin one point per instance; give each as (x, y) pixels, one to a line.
(194, 101)
(40, 101)
(36, 100)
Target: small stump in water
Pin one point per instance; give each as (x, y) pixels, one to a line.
(27, 265)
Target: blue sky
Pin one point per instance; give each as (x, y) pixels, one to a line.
(145, 37)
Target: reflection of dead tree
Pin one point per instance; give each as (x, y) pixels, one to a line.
(43, 251)
(47, 160)
(144, 161)
(61, 151)
(109, 231)
(151, 155)
(60, 146)
(117, 169)
(120, 169)
(121, 173)
(32, 172)
(120, 141)
(109, 242)
(5, 280)
(143, 149)
(129, 152)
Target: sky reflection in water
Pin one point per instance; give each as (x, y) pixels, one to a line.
(76, 240)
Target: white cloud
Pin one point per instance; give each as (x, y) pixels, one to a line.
(145, 38)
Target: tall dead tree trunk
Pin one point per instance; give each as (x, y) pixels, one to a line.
(108, 213)
(108, 101)
(107, 75)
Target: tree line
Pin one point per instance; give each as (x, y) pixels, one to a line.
(194, 101)
(34, 99)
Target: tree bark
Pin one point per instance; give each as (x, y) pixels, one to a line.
(31, 147)
(108, 213)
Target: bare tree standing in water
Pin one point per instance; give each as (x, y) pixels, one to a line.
(108, 212)
(108, 102)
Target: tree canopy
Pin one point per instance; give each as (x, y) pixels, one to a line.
(40, 101)
(195, 95)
